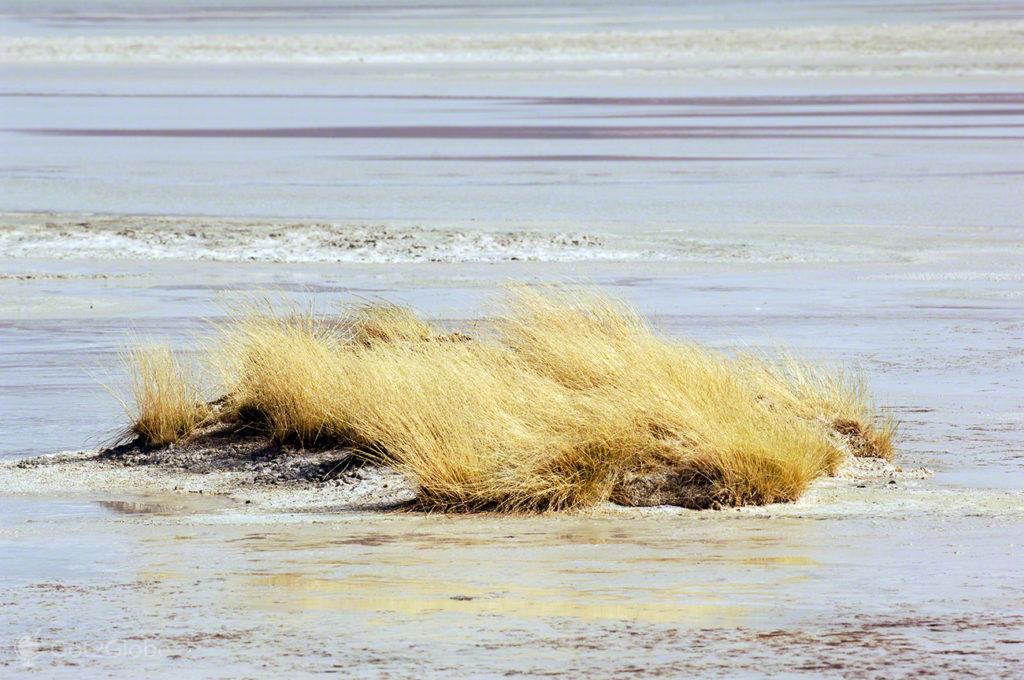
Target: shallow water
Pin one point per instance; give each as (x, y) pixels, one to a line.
(484, 596)
(548, 137)
(106, 17)
(279, 141)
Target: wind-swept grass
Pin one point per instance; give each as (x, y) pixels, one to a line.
(695, 409)
(167, 405)
(841, 400)
(563, 396)
(369, 324)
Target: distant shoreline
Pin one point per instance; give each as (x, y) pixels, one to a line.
(951, 48)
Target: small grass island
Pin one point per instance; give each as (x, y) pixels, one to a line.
(562, 400)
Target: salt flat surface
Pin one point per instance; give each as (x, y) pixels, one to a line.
(842, 180)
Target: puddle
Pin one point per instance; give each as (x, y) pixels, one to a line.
(166, 507)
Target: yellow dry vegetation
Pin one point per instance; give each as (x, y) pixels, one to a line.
(563, 394)
(166, 404)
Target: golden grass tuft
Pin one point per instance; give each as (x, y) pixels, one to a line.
(840, 400)
(370, 324)
(568, 393)
(167, 405)
(698, 410)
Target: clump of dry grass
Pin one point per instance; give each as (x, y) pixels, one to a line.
(369, 324)
(698, 410)
(167, 405)
(835, 397)
(566, 395)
